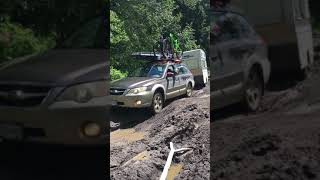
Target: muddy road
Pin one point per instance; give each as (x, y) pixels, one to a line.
(281, 141)
(140, 146)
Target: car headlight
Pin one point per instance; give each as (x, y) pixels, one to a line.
(137, 90)
(83, 93)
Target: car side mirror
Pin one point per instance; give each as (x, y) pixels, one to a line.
(170, 74)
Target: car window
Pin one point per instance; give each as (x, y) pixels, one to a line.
(244, 28)
(156, 71)
(229, 26)
(148, 70)
(223, 28)
(184, 70)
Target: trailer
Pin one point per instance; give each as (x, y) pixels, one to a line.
(285, 26)
(196, 62)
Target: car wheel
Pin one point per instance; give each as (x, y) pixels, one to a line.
(157, 102)
(189, 90)
(253, 91)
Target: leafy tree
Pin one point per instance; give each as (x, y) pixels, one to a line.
(136, 25)
(116, 74)
(16, 41)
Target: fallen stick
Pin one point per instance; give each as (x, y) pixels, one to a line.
(169, 160)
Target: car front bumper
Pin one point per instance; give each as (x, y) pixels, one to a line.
(59, 123)
(141, 100)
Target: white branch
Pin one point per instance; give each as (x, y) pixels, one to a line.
(169, 160)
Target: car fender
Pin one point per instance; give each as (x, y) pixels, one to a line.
(156, 86)
(192, 82)
(262, 62)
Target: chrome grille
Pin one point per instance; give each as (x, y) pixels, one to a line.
(22, 95)
(117, 91)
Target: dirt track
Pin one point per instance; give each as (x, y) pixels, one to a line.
(140, 148)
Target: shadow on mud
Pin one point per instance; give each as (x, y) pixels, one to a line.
(284, 80)
(227, 112)
(129, 117)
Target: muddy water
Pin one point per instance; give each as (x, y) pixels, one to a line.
(174, 171)
(143, 156)
(126, 136)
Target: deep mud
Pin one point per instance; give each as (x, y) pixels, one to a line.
(185, 122)
(307, 91)
(280, 142)
(268, 147)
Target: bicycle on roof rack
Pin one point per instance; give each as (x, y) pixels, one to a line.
(169, 48)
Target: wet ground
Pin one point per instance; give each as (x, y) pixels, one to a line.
(280, 142)
(140, 146)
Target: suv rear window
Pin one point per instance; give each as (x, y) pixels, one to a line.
(182, 70)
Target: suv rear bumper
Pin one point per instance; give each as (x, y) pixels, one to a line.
(59, 123)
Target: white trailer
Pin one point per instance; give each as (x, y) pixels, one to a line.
(195, 60)
(286, 28)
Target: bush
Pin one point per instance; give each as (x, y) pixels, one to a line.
(117, 74)
(17, 41)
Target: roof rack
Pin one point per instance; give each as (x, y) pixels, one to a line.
(167, 50)
(155, 56)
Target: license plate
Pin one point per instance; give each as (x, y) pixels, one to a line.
(11, 132)
(114, 103)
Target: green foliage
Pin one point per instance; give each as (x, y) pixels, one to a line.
(187, 36)
(117, 33)
(136, 25)
(117, 74)
(16, 41)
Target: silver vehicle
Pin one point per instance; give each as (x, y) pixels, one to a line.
(59, 96)
(150, 85)
(239, 62)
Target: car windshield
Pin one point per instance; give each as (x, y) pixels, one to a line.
(149, 70)
(219, 27)
(92, 34)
